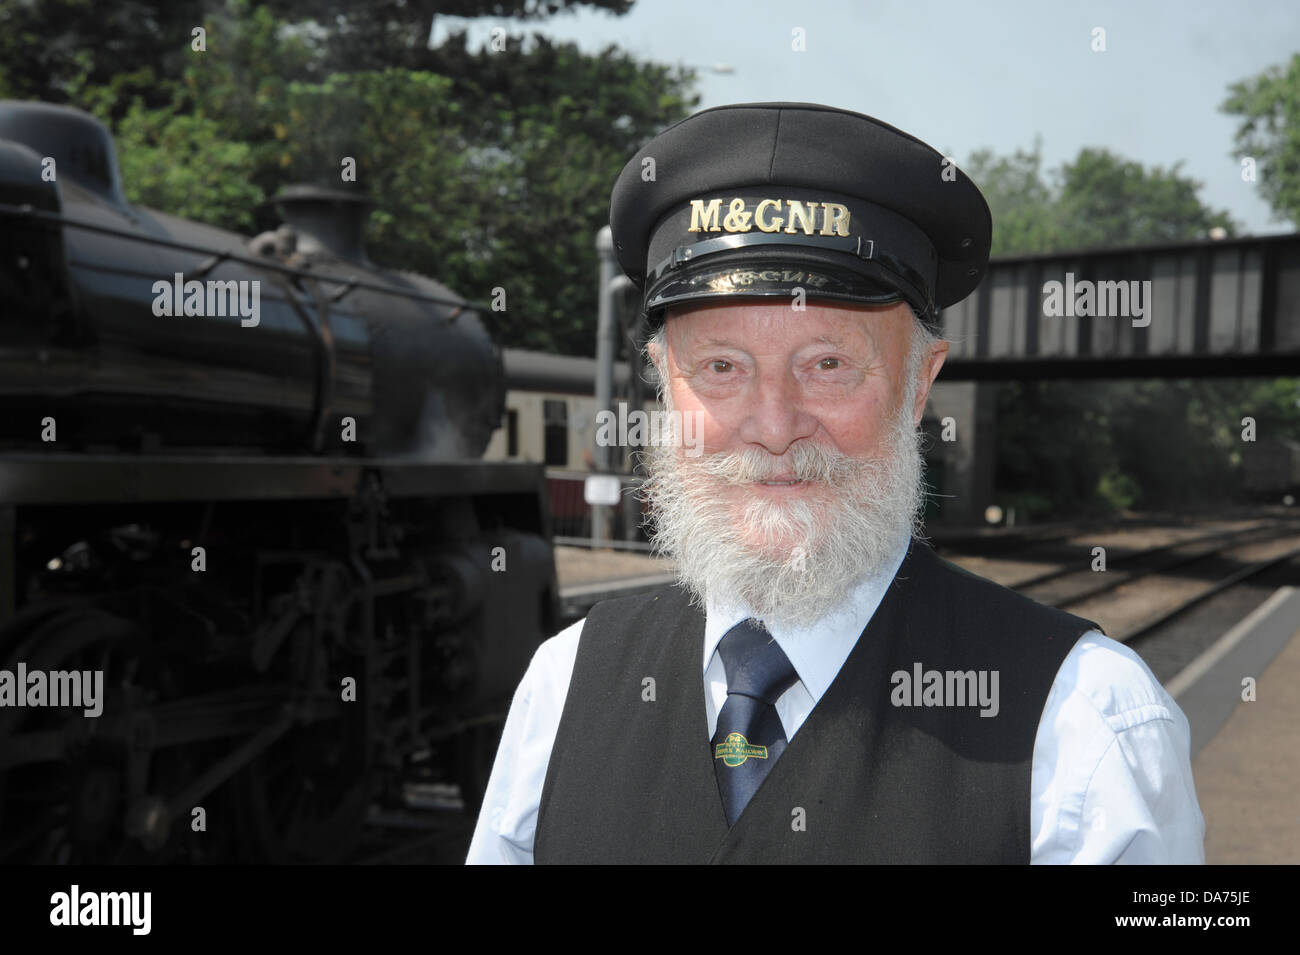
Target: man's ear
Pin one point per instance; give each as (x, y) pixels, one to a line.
(934, 360)
(658, 361)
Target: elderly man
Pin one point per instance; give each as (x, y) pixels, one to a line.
(819, 685)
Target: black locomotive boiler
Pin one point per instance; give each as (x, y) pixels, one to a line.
(263, 518)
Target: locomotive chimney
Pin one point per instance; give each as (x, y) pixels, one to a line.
(327, 219)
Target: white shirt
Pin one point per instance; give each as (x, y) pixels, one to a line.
(1111, 778)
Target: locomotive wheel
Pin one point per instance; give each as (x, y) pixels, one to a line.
(304, 800)
(72, 811)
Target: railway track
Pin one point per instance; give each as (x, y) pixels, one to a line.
(1141, 590)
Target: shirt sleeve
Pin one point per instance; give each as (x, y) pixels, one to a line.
(507, 820)
(1112, 773)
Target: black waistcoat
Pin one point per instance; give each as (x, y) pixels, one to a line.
(863, 780)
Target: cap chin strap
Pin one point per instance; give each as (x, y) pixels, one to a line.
(854, 245)
(926, 316)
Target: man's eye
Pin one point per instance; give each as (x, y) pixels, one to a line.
(828, 363)
(720, 365)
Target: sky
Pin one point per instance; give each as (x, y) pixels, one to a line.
(990, 74)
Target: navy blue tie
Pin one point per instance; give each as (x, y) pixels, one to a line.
(749, 737)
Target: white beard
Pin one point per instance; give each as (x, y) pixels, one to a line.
(787, 563)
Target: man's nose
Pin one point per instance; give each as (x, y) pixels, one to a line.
(775, 417)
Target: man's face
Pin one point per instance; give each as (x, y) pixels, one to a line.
(806, 420)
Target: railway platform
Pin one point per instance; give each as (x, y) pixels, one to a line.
(1242, 699)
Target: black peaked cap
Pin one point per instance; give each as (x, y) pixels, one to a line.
(851, 209)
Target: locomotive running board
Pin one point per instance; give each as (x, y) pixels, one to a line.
(29, 479)
(34, 478)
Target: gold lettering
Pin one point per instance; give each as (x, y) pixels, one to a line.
(701, 215)
(737, 218)
(803, 213)
(761, 222)
(837, 216)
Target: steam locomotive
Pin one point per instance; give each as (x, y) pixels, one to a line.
(241, 480)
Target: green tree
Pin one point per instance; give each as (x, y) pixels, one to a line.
(1107, 202)
(184, 164)
(1024, 208)
(45, 45)
(1099, 200)
(1054, 450)
(382, 33)
(51, 49)
(564, 123)
(1269, 105)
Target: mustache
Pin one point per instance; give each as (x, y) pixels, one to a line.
(805, 460)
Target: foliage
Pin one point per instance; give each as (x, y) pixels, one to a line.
(57, 50)
(186, 166)
(1109, 202)
(1099, 200)
(1269, 105)
(1024, 207)
(1034, 451)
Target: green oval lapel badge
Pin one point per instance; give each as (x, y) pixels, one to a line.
(735, 749)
